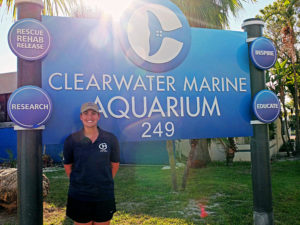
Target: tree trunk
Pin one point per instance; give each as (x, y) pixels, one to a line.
(172, 163)
(288, 146)
(231, 151)
(201, 156)
(296, 103)
(8, 188)
(193, 143)
(282, 135)
(289, 42)
(198, 158)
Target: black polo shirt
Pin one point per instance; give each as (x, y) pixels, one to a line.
(91, 176)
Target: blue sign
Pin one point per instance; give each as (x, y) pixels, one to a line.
(263, 53)
(204, 95)
(266, 106)
(29, 39)
(164, 35)
(29, 107)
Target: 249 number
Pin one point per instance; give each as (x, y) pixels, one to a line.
(167, 129)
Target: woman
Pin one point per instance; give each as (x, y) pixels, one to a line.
(91, 161)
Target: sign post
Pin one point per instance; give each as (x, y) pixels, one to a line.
(261, 178)
(30, 190)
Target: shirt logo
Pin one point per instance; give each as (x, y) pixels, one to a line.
(103, 147)
(155, 36)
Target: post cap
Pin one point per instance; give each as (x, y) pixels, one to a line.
(39, 2)
(253, 21)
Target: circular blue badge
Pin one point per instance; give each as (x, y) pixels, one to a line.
(29, 39)
(155, 35)
(266, 106)
(263, 53)
(29, 107)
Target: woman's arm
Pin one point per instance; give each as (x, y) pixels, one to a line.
(114, 168)
(68, 169)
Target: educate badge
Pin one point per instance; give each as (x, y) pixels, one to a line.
(266, 106)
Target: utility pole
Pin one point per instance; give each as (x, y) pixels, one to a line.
(30, 190)
(260, 160)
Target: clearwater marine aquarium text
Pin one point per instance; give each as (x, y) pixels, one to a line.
(193, 104)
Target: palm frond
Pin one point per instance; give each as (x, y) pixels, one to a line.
(200, 13)
(209, 13)
(51, 7)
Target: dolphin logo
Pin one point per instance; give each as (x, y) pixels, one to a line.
(157, 38)
(157, 34)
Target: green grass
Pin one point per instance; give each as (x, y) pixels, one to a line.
(144, 195)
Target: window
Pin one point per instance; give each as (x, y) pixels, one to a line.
(3, 108)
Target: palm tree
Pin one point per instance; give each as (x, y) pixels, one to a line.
(51, 7)
(285, 13)
(209, 13)
(279, 80)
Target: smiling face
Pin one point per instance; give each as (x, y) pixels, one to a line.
(90, 118)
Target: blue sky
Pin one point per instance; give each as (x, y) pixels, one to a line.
(8, 61)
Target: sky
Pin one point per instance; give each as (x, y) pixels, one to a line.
(8, 61)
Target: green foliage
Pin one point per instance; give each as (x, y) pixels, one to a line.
(279, 77)
(47, 160)
(292, 123)
(282, 26)
(10, 161)
(272, 131)
(210, 14)
(282, 19)
(287, 146)
(51, 7)
(203, 13)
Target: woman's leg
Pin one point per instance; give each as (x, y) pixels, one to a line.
(89, 223)
(101, 223)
